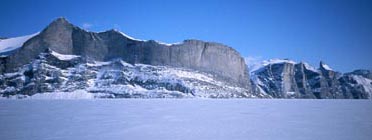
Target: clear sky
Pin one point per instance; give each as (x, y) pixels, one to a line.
(338, 32)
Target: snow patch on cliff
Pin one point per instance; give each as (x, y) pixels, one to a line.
(309, 67)
(64, 56)
(325, 66)
(127, 36)
(258, 65)
(11, 44)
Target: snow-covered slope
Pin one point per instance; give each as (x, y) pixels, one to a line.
(264, 63)
(360, 86)
(309, 67)
(54, 75)
(64, 56)
(325, 66)
(366, 83)
(11, 44)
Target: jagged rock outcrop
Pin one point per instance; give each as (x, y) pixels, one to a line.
(306, 79)
(357, 84)
(287, 79)
(65, 38)
(269, 76)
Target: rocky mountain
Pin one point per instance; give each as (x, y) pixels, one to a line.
(30, 67)
(288, 79)
(58, 74)
(65, 38)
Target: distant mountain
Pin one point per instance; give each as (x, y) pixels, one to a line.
(364, 73)
(288, 79)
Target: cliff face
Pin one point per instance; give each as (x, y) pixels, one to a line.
(64, 38)
(54, 72)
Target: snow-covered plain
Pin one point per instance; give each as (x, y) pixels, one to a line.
(186, 119)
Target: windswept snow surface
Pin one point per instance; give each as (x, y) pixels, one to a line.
(186, 119)
(10, 44)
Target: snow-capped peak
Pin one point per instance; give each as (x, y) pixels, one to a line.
(309, 67)
(11, 44)
(325, 66)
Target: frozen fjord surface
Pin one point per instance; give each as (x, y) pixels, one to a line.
(187, 119)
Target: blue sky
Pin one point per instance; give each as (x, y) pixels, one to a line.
(338, 32)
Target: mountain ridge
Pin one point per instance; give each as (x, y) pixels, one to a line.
(110, 64)
(65, 38)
